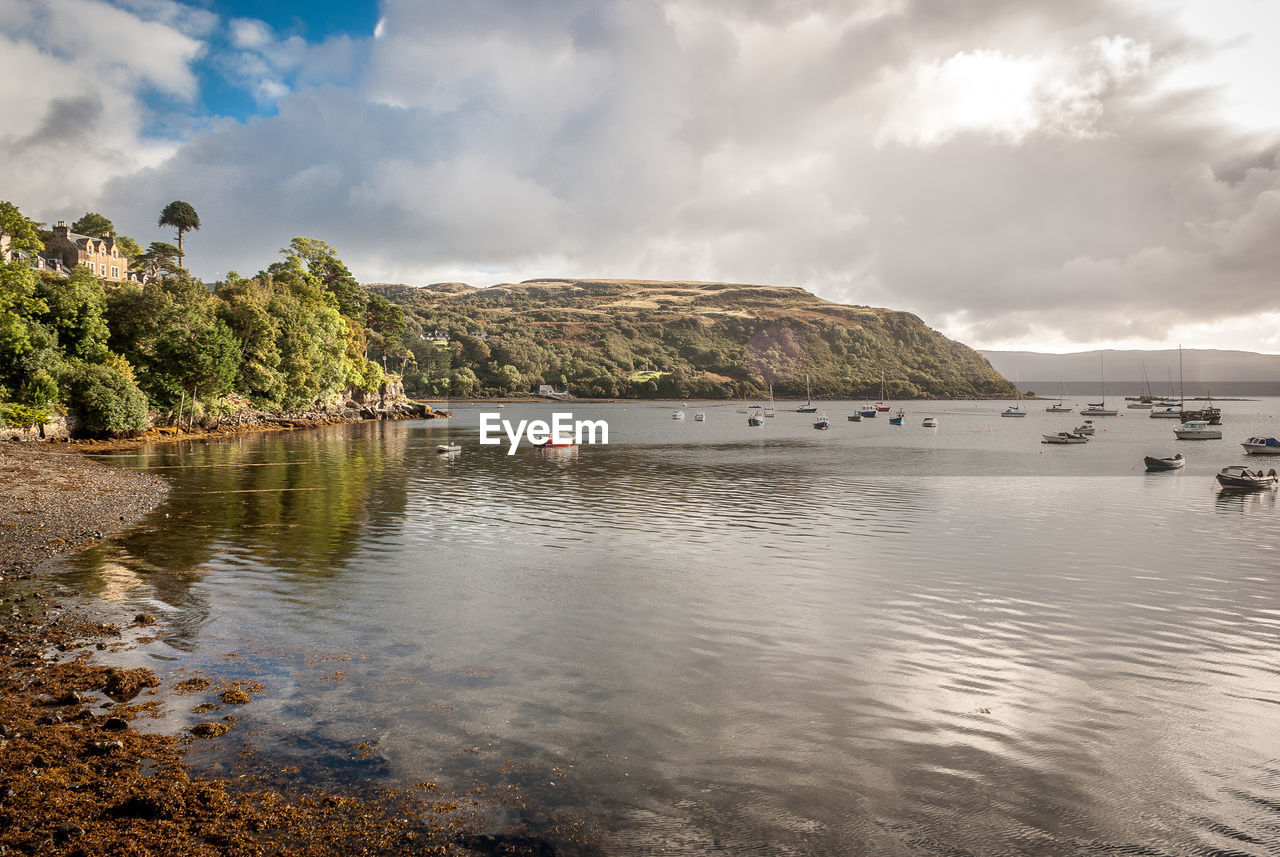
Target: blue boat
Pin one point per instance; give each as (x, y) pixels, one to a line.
(896, 419)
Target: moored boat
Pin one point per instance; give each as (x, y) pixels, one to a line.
(1238, 476)
(700, 417)
(855, 418)
(1086, 428)
(929, 422)
(1173, 462)
(552, 443)
(444, 448)
(678, 415)
(1262, 446)
(1065, 437)
(1167, 412)
(755, 420)
(1057, 408)
(896, 419)
(808, 407)
(1197, 430)
(868, 411)
(822, 422)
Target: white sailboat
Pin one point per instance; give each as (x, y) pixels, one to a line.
(1100, 409)
(1056, 407)
(769, 411)
(1016, 410)
(808, 407)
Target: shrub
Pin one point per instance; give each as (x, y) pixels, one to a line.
(13, 414)
(106, 397)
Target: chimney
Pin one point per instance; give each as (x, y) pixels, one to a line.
(62, 230)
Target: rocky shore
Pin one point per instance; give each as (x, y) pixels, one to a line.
(81, 775)
(53, 501)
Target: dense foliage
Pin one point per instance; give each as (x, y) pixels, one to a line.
(295, 335)
(617, 339)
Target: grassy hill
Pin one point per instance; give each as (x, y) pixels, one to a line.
(610, 338)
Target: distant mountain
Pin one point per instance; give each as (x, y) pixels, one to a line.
(611, 338)
(1204, 370)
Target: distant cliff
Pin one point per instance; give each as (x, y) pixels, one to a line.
(612, 338)
(1223, 372)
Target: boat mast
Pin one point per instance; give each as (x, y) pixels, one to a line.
(1182, 395)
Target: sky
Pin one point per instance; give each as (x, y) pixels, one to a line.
(1026, 174)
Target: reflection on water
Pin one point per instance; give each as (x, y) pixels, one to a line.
(770, 643)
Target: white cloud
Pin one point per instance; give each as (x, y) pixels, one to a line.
(70, 74)
(1012, 171)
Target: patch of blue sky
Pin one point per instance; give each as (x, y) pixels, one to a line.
(223, 93)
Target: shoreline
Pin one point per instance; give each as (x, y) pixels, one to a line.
(80, 773)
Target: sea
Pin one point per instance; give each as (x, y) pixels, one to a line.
(711, 638)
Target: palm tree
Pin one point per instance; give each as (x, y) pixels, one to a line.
(182, 217)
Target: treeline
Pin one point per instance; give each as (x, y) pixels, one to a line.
(614, 339)
(295, 335)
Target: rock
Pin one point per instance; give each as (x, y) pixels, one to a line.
(40, 762)
(71, 697)
(116, 723)
(51, 719)
(102, 748)
(123, 685)
(210, 730)
(144, 619)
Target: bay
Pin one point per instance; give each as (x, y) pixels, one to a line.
(710, 637)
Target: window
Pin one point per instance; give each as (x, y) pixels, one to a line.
(115, 272)
(103, 269)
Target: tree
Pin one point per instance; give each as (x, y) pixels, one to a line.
(128, 247)
(182, 217)
(22, 233)
(94, 224)
(159, 259)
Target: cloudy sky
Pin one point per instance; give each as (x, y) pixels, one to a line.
(1020, 173)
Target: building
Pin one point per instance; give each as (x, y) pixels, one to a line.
(100, 255)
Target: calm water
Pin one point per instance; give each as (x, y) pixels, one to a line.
(712, 638)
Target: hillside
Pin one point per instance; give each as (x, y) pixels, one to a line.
(610, 338)
(1199, 365)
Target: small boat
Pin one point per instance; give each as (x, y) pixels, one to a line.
(1238, 476)
(1100, 409)
(1015, 410)
(755, 420)
(552, 443)
(868, 411)
(808, 407)
(1139, 406)
(1262, 446)
(855, 418)
(770, 412)
(1065, 437)
(929, 422)
(1056, 407)
(700, 417)
(822, 423)
(1085, 429)
(445, 448)
(1173, 462)
(678, 415)
(882, 406)
(1197, 430)
(1166, 412)
(896, 419)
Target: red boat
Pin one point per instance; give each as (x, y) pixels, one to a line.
(552, 444)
